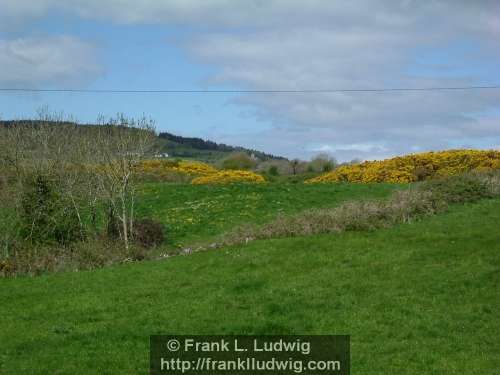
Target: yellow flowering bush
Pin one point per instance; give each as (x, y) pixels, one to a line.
(174, 170)
(414, 167)
(228, 177)
(195, 167)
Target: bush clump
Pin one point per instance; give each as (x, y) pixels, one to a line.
(45, 216)
(239, 161)
(148, 233)
(273, 170)
(460, 189)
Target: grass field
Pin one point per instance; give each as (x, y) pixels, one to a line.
(199, 213)
(419, 298)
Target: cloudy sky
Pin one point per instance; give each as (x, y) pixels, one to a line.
(265, 45)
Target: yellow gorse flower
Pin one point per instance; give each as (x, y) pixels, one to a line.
(228, 177)
(414, 167)
(194, 167)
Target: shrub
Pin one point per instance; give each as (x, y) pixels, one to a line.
(492, 181)
(322, 163)
(422, 173)
(238, 161)
(328, 167)
(459, 189)
(46, 216)
(148, 232)
(273, 170)
(7, 268)
(403, 206)
(36, 259)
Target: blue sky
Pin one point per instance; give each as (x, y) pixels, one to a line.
(136, 57)
(268, 45)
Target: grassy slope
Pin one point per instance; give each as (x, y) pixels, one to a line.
(195, 214)
(417, 299)
(198, 212)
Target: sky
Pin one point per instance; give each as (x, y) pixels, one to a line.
(265, 45)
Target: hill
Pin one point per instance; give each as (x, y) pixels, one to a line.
(174, 145)
(205, 150)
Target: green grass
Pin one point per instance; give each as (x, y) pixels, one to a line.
(200, 212)
(419, 298)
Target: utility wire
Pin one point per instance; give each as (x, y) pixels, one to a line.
(313, 91)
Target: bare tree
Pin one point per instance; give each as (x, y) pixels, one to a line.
(120, 144)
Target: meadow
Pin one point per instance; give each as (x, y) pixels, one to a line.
(418, 298)
(200, 213)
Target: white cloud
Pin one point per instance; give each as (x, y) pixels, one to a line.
(31, 62)
(272, 13)
(378, 53)
(14, 14)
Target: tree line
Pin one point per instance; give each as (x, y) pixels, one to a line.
(201, 144)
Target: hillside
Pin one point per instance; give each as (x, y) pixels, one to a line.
(417, 299)
(174, 145)
(204, 150)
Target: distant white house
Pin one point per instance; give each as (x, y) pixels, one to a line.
(162, 155)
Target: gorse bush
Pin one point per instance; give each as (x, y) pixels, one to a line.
(416, 167)
(195, 168)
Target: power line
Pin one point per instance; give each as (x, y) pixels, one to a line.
(312, 91)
